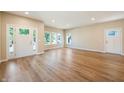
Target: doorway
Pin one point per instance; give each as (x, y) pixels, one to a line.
(113, 41)
(21, 41)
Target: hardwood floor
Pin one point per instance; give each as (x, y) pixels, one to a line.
(64, 65)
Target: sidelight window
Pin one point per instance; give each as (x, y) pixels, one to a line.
(34, 40)
(11, 39)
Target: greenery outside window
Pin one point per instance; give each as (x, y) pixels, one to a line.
(47, 38)
(11, 39)
(24, 31)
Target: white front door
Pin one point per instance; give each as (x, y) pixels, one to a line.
(113, 41)
(23, 42)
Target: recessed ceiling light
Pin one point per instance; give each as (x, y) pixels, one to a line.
(26, 13)
(93, 19)
(53, 21)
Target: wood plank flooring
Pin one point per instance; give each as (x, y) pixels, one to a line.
(64, 65)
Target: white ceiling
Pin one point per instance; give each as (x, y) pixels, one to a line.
(71, 19)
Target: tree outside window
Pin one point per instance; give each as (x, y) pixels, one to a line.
(11, 39)
(47, 38)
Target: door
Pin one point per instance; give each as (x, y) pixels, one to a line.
(21, 41)
(26, 42)
(113, 41)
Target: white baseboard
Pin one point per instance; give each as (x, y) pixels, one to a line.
(21, 57)
(54, 48)
(88, 49)
(40, 53)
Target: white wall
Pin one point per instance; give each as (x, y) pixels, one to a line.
(92, 37)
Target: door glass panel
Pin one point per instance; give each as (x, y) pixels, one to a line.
(24, 31)
(34, 40)
(112, 34)
(11, 39)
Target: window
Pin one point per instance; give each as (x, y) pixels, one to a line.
(24, 31)
(112, 33)
(34, 40)
(47, 38)
(68, 38)
(11, 39)
(54, 38)
(59, 38)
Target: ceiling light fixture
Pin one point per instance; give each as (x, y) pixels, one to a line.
(26, 13)
(93, 19)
